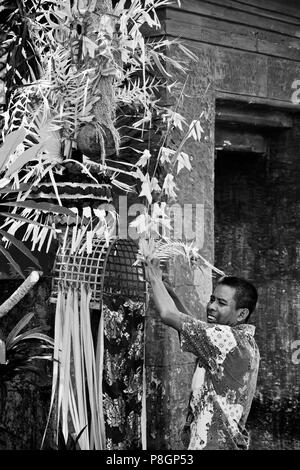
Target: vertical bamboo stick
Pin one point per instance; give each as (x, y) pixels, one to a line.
(2, 352)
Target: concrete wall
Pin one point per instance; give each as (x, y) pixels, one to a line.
(169, 371)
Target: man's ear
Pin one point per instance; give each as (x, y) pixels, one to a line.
(243, 314)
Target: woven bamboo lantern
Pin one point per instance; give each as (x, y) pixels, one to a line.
(108, 270)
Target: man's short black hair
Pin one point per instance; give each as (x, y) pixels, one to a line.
(245, 293)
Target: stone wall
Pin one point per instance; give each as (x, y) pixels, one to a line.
(257, 234)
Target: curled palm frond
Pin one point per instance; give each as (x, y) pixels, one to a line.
(164, 249)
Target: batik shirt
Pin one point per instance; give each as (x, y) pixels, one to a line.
(223, 384)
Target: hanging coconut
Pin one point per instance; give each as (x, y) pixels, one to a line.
(96, 142)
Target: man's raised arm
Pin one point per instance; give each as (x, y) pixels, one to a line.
(169, 313)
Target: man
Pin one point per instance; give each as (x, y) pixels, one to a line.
(225, 377)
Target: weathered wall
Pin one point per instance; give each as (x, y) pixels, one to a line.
(276, 267)
(257, 233)
(250, 54)
(169, 371)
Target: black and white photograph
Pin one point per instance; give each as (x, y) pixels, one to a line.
(149, 231)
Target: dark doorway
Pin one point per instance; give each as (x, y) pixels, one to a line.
(241, 212)
(257, 226)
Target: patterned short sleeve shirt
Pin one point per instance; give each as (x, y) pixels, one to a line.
(223, 384)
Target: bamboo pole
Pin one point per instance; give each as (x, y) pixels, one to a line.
(2, 352)
(22, 290)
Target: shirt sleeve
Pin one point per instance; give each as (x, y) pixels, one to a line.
(209, 342)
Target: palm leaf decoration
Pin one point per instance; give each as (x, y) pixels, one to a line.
(77, 378)
(165, 248)
(57, 96)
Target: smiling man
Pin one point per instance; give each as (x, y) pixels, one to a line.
(225, 376)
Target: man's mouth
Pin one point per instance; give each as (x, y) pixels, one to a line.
(211, 319)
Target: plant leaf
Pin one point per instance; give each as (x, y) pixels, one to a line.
(11, 261)
(30, 335)
(19, 326)
(10, 189)
(146, 189)
(18, 244)
(183, 161)
(12, 141)
(27, 156)
(99, 375)
(23, 219)
(160, 66)
(41, 206)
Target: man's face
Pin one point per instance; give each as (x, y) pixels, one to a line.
(221, 307)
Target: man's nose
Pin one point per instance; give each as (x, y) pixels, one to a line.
(212, 305)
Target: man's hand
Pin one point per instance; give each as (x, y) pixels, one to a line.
(169, 312)
(154, 275)
(153, 271)
(166, 281)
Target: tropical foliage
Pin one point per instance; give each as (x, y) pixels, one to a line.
(20, 351)
(66, 76)
(23, 348)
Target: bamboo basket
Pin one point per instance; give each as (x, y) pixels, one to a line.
(107, 270)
